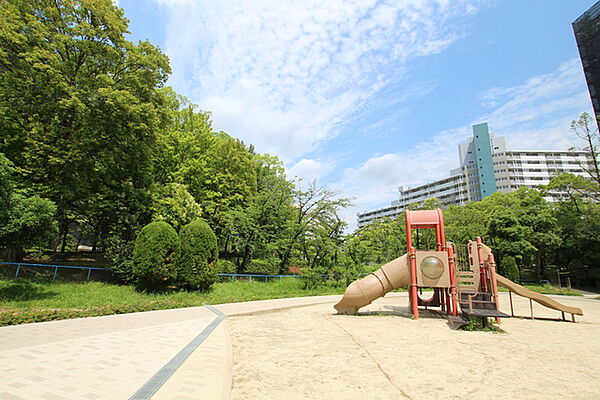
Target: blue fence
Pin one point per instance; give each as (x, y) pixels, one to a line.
(56, 268)
(231, 277)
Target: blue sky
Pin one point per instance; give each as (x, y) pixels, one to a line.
(365, 96)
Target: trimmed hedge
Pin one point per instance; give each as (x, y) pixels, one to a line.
(225, 267)
(153, 256)
(198, 255)
(262, 267)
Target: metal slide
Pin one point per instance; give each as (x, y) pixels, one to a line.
(537, 297)
(362, 292)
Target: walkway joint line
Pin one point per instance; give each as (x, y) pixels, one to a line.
(162, 376)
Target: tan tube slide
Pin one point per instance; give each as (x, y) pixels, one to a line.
(537, 297)
(359, 293)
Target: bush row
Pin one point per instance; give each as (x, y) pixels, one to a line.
(162, 259)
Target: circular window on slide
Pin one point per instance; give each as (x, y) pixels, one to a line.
(432, 267)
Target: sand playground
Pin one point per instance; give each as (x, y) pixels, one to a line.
(312, 353)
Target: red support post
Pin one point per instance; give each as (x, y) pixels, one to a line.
(494, 282)
(482, 279)
(414, 297)
(451, 266)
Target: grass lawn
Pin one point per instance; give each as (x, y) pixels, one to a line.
(34, 300)
(26, 300)
(548, 289)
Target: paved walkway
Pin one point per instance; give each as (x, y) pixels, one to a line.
(176, 354)
(169, 354)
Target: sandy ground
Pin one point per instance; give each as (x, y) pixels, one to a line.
(310, 353)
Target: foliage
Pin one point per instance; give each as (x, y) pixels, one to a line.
(120, 254)
(172, 203)
(477, 324)
(585, 129)
(153, 256)
(24, 221)
(78, 109)
(509, 268)
(262, 267)
(311, 280)
(196, 257)
(225, 267)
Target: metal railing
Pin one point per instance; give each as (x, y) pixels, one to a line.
(56, 267)
(232, 277)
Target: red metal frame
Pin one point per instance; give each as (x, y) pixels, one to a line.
(429, 219)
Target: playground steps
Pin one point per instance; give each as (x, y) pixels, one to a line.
(479, 312)
(479, 300)
(482, 303)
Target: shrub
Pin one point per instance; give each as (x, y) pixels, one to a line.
(260, 266)
(153, 252)
(509, 267)
(120, 254)
(310, 280)
(225, 267)
(195, 262)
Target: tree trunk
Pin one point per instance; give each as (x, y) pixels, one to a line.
(538, 265)
(64, 232)
(14, 254)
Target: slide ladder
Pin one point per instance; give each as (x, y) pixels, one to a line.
(473, 301)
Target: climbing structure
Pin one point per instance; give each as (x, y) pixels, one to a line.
(463, 277)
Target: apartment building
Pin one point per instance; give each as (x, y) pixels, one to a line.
(486, 166)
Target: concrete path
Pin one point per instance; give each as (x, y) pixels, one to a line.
(169, 354)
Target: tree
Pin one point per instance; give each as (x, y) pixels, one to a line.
(256, 229)
(153, 256)
(78, 109)
(316, 209)
(24, 221)
(197, 256)
(586, 131)
(174, 204)
(509, 267)
(578, 218)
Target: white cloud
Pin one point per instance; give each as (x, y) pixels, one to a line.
(285, 75)
(309, 170)
(534, 115)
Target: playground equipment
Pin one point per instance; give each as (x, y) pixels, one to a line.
(463, 277)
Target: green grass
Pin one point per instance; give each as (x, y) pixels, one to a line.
(476, 324)
(35, 300)
(548, 289)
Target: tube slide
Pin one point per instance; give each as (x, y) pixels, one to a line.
(537, 297)
(362, 292)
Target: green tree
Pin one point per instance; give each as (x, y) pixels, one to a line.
(24, 221)
(256, 229)
(197, 257)
(509, 267)
(174, 204)
(585, 129)
(316, 217)
(153, 256)
(78, 109)
(578, 218)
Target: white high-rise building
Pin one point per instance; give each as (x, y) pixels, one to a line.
(486, 166)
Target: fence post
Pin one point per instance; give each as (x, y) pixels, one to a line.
(250, 278)
(89, 272)
(55, 273)
(18, 269)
